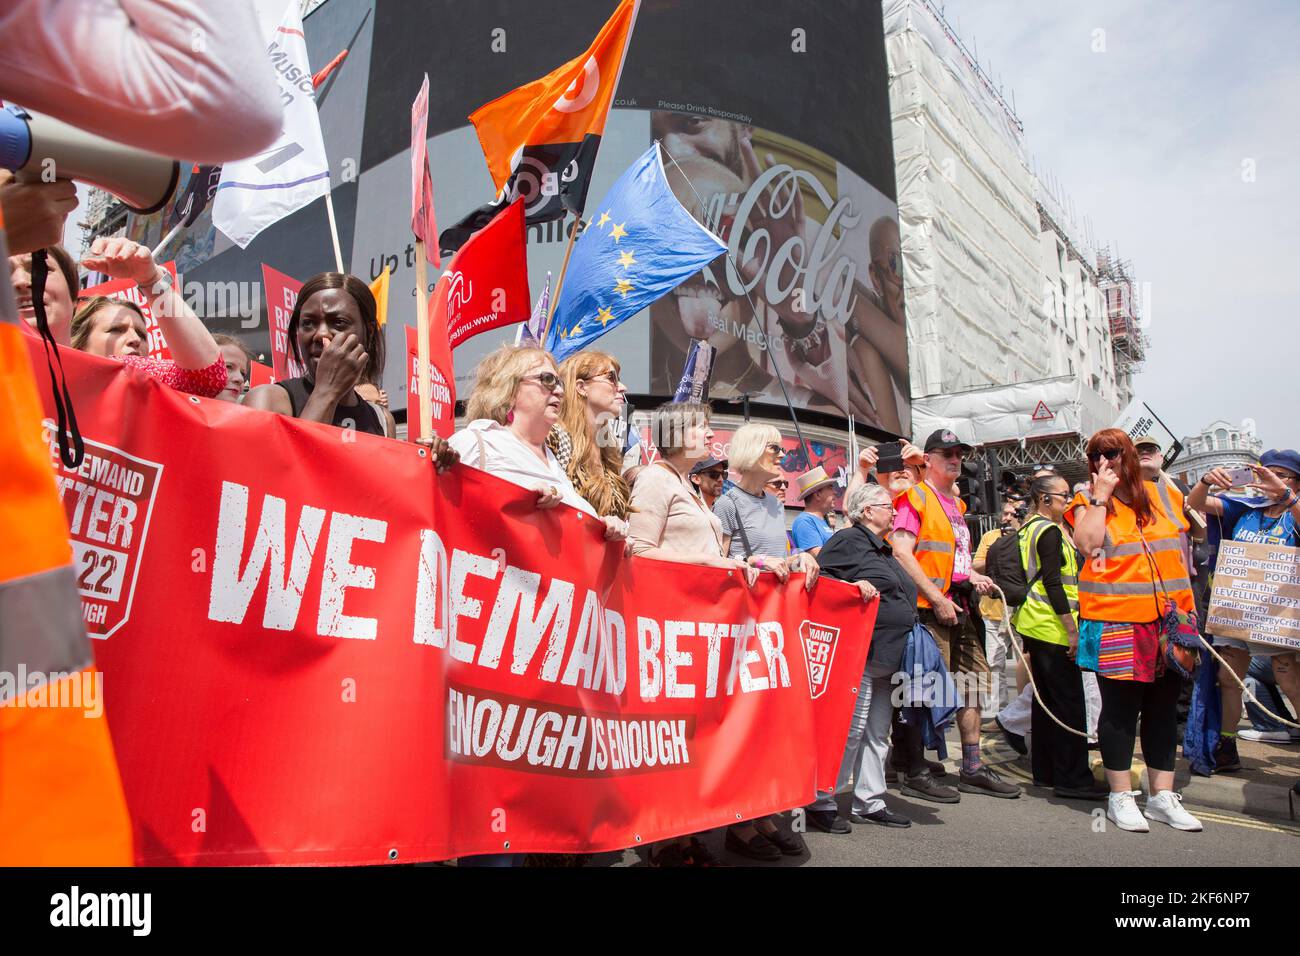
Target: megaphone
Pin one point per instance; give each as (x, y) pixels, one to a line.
(28, 142)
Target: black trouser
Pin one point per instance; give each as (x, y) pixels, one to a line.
(1121, 703)
(909, 749)
(1058, 757)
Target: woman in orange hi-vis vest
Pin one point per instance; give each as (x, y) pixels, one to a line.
(1133, 565)
(61, 801)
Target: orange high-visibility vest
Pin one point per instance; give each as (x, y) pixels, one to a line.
(1121, 582)
(61, 800)
(936, 545)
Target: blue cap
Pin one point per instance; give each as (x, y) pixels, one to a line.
(1287, 458)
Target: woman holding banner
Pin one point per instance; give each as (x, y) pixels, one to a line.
(585, 440)
(514, 405)
(115, 328)
(670, 522)
(335, 335)
(753, 527)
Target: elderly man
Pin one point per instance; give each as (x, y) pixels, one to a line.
(933, 544)
(860, 555)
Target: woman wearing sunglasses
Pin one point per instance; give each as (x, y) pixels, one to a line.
(515, 403)
(753, 526)
(586, 440)
(1132, 572)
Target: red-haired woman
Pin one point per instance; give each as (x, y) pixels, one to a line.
(1133, 564)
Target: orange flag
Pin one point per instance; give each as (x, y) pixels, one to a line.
(547, 127)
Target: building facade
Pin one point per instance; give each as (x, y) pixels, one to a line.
(1218, 445)
(1008, 330)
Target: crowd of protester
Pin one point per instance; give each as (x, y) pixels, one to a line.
(1094, 631)
(1108, 621)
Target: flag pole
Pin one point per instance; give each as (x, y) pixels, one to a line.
(166, 240)
(334, 230)
(559, 283)
(424, 383)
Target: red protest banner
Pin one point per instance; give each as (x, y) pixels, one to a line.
(444, 404)
(381, 663)
(487, 280)
(155, 345)
(281, 297)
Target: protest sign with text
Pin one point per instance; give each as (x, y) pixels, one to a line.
(334, 655)
(1256, 594)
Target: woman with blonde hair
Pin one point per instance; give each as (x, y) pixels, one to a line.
(585, 440)
(514, 405)
(753, 526)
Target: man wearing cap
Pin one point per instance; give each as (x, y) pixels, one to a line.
(1272, 518)
(710, 475)
(816, 490)
(933, 544)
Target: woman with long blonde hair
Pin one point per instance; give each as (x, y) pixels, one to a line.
(585, 440)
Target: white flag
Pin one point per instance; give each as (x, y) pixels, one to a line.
(261, 190)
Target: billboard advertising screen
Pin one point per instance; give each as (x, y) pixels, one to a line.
(774, 119)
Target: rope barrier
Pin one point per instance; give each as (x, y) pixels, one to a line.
(1010, 641)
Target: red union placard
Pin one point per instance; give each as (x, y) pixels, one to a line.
(108, 501)
(281, 297)
(343, 657)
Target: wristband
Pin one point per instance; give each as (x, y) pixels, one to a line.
(1097, 504)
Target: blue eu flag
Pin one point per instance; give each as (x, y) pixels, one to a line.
(640, 245)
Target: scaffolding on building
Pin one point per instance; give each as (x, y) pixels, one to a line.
(1123, 311)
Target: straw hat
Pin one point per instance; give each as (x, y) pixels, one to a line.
(812, 480)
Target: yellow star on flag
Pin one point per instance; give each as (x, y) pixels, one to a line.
(625, 259)
(576, 327)
(618, 232)
(604, 218)
(623, 287)
(605, 316)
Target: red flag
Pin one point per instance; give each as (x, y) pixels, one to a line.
(442, 377)
(422, 221)
(487, 280)
(155, 344)
(281, 296)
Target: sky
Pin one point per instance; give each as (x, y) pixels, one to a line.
(1175, 129)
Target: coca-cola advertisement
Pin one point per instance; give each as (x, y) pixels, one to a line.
(811, 286)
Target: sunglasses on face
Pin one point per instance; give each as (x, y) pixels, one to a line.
(1110, 455)
(782, 485)
(548, 380)
(714, 475)
(610, 376)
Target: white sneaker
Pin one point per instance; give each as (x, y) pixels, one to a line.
(1167, 807)
(1265, 736)
(1122, 811)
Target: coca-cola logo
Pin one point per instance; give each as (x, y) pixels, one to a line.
(825, 277)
